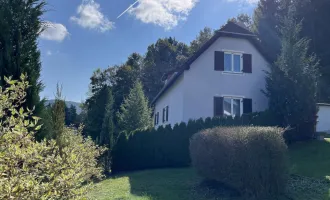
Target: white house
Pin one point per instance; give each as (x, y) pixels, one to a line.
(323, 120)
(225, 77)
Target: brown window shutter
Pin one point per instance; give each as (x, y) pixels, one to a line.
(218, 106)
(219, 61)
(167, 113)
(163, 115)
(247, 63)
(247, 106)
(155, 122)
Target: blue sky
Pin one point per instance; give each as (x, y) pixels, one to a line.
(84, 35)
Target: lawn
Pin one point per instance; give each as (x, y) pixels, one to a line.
(310, 166)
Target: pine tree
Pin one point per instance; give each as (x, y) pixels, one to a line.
(292, 82)
(20, 28)
(58, 113)
(134, 112)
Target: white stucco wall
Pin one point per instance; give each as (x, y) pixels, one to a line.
(202, 82)
(323, 124)
(174, 99)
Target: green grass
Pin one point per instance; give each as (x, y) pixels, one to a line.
(311, 159)
(310, 164)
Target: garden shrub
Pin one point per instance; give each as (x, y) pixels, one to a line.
(251, 160)
(40, 170)
(169, 147)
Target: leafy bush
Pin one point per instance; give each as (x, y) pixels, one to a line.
(40, 170)
(249, 159)
(169, 147)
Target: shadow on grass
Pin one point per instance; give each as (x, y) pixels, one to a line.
(178, 184)
(310, 162)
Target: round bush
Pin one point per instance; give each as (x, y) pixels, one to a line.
(251, 160)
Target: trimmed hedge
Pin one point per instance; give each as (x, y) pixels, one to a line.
(251, 160)
(167, 147)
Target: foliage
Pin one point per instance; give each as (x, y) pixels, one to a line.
(135, 112)
(169, 147)
(58, 114)
(244, 19)
(47, 129)
(107, 135)
(165, 56)
(292, 83)
(269, 18)
(203, 36)
(124, 78)
(95, 108)
(314, 15)
(250, 159)
(20, 28)
(70, 115)
(40, 170)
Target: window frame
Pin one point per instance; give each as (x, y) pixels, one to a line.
(232, 54)
(232, 98)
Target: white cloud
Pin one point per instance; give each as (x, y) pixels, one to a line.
(164, 13)
(90, 16)
(49, 53)
(54, 31)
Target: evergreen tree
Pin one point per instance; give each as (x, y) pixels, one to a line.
(267, 20)
(70, 115)
(20, 28)
(315, 15)
(134, 112)
(107, 135)
(95, 108)
(46, 131)
(201, 39)
(292, 82)
(58, 113)
(107, 131)
(67, 116)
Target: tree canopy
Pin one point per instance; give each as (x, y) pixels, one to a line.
(135, 113)
(292, 81)
(20, 23)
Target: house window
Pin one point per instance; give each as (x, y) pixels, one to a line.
(165, 114)
(156, 118)
(232, 106)
(233, 62)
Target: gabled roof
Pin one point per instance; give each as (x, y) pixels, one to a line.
(231, 29)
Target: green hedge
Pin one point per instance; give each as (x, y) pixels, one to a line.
(167, 147)
(251, 160)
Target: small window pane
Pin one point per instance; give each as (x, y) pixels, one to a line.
(237, 63)
(228, 62)
(227, 106)
(236, 107)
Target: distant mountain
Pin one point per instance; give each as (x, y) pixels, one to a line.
(68, 104)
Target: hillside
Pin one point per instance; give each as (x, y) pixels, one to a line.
(68, 104)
